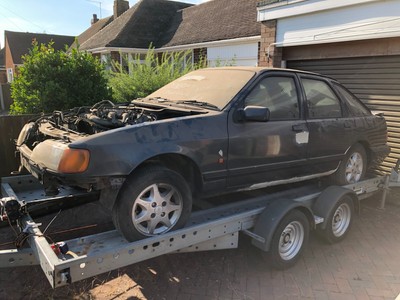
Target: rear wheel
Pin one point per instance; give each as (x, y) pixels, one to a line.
(353, 167)
(153, 201)
(288, 240)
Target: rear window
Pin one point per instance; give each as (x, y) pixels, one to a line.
(321, 100)
(355, 106)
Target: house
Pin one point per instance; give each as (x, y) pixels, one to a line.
(354, 41)
(3, 74)
(18, 44)
(219, 30)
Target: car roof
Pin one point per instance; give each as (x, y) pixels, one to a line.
(265, 69)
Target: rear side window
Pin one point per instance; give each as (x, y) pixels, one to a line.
(278, 94)
(354, 104)
(322, 102)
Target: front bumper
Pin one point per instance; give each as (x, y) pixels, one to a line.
(42, 163)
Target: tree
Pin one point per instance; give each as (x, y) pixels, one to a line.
(52, 80)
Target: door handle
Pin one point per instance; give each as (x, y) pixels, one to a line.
(299, 127)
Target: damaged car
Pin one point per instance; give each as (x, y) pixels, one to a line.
(210, 132)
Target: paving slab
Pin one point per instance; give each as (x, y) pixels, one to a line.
(366, 265)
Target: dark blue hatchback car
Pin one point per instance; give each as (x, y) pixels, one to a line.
(209, 132)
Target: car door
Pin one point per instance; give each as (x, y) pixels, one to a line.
(330, 128)
(273, 150)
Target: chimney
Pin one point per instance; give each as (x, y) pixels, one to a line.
(94, 20)
(120, 6)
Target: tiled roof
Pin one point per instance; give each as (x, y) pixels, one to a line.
(21, 42)
(141, 25)
(92, 30)
(268, 2)
(168, 23)
(212, 21)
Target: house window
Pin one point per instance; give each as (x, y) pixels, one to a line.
(10, 75)
(106, 60)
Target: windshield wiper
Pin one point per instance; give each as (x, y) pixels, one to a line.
(199, 103)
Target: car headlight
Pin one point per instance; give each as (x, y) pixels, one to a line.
(74, 161)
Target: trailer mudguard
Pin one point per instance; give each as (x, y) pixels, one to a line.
(269, 219)
(327, 200)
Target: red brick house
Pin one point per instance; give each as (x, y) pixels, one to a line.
(18, 44)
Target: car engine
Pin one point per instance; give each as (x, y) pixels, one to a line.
(102, 116)
(79, 122)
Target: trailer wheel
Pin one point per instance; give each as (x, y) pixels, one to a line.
(288, 240)
(153, 201)
(339, 221)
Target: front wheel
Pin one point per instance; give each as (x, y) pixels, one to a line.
(289, 240)
(153, 201)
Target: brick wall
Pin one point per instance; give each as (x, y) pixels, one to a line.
(3, 76)
(270, 55)
(9, 63)
(116, 56)
(200, 54)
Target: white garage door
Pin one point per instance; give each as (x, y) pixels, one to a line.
(237, 55)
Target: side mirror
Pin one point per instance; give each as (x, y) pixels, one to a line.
(254, 113)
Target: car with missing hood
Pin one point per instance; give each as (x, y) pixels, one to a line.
(210, 132)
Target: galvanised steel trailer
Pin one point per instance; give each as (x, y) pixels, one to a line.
(278, 223)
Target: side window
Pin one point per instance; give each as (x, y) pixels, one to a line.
(354, 104)
(321, 101)
(279, 95)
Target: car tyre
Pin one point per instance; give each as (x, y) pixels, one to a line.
(339, 221)
(353, 167)
(153, 201)
(288, 240)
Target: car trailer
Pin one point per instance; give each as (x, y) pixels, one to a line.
(278, 223)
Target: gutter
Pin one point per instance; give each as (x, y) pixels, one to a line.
(180, 47)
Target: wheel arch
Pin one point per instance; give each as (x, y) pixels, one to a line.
(179, 163)
(327, 200)
(269, 220)
(367, 149)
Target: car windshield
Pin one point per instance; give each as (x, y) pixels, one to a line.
(215, 86)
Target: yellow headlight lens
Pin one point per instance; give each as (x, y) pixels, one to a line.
(74, 161)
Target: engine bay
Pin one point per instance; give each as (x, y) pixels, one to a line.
(85, 120)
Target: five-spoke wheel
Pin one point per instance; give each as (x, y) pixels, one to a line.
(157, 209)
(353, 166)
(153, 201)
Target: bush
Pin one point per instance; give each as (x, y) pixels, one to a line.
(52, 80)
(144, 76)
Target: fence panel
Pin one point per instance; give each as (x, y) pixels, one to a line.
(10, 126)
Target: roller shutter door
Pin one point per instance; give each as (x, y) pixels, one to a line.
(376, 81)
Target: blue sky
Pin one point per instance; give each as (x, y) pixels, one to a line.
(64, 17)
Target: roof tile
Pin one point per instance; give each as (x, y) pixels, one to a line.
(21, 42)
